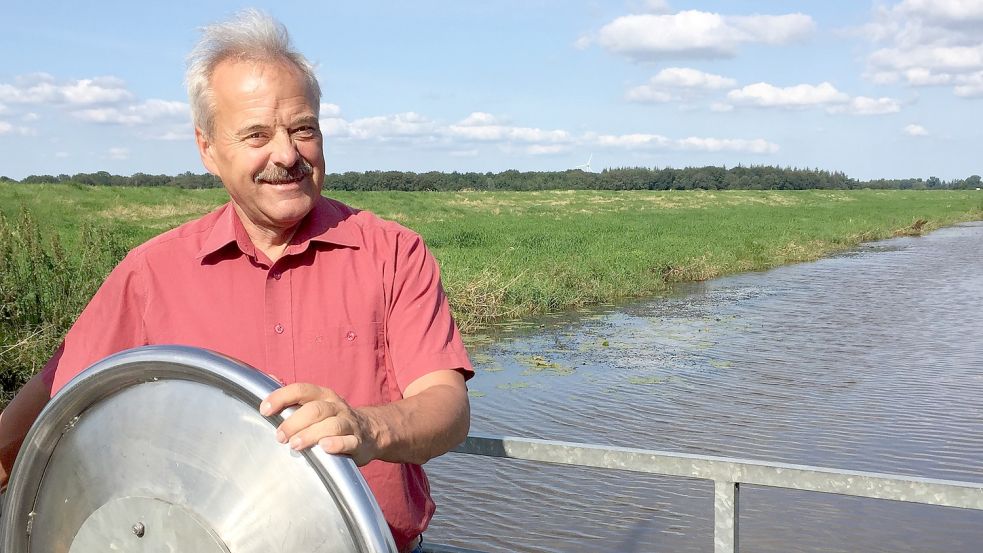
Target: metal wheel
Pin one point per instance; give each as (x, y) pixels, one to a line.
(163, 449)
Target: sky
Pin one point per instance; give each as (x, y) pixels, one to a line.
(883, 89)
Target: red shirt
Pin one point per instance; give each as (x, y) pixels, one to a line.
(355, 304)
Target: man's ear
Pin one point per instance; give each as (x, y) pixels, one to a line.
(205, 150)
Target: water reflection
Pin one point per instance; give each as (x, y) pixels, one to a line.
(870, 360)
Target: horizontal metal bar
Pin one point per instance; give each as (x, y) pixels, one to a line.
(913, 489)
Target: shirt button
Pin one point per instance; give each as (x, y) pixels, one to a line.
(277, 275)
(350, 336)
(278, 328)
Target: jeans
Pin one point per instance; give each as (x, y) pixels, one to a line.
(419, 546)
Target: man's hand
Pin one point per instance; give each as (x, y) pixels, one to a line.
(432, 417)
(323, 418)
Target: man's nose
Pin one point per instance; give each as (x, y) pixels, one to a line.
(284, 150)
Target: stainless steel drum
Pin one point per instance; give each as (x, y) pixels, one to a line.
(162, 449)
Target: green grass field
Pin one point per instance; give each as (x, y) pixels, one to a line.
(503, 254)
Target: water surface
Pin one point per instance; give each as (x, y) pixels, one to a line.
(870, 360)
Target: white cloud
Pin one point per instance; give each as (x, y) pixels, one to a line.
(118, 153)
(687, 81)
(919, 76)
(385, 127)
(915, 130)
(969, 86)
(498, 133)
(335, 127)
(8, 128)
(30, 116)
(479, 118)
(684, 77)
(927, 43)
(929, 59)
(329, 111)
(526, 134)
(61, 154)
(945, 11)
(721, 107)
(694, 33)
(101, 90)
(154, 109)
(756, 146)
(798, 96)
(547, 149)
(765, 95)
(862, 105)
(459, 139)
(108, 115)
(35, 88)
(41, 88)
(485, 127)
(172, 132)
(773, 29)
(138, 114)
(632, 141)
(639, 141)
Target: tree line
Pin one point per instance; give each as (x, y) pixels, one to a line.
(754, 177)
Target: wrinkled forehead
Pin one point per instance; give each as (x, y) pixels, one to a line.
(234, 80)
(246, 84)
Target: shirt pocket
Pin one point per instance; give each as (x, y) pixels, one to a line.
(349, 359)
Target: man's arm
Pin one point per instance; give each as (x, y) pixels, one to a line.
(17, 419)
(433, 416)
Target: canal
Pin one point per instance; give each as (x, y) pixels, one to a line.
(869, 360)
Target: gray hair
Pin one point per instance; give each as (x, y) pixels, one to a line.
(250, 35)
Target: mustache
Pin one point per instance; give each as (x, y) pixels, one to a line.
(275, 173)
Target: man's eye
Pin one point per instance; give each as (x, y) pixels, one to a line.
(306, 132)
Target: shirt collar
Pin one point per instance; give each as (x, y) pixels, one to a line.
(325, 223)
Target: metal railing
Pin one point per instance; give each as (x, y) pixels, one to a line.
(727, 476)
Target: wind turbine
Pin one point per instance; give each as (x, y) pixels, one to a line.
(586, 166)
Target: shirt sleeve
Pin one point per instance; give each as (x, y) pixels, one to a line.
(111, 322)
(421, 334)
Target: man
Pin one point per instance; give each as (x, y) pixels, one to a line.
(344, 308)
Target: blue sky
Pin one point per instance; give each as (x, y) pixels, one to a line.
(874, 89)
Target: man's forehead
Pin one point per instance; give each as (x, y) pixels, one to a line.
(256, 86)
(247, 76)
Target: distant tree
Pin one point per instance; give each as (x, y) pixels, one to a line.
(38, 179)
(83, 178)
(754, 177)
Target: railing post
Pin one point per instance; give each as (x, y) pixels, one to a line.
(725, 516)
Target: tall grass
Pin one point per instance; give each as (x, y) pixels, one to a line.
(43, 289)
(502, 254)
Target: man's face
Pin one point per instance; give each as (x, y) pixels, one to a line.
(266, 143)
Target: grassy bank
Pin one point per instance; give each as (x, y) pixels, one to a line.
(503, 254)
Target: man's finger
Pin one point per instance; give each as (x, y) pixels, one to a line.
(293, 394)
(308, 415)
(330, 427)
(340, 445)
